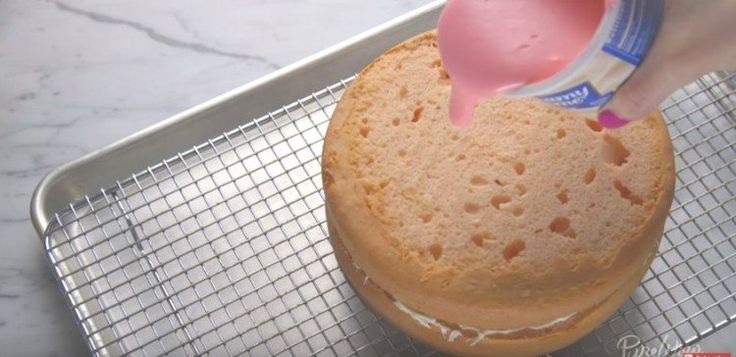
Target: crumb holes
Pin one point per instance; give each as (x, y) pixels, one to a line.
(398, 66)
(521, 189)
(444, 77)
(480, 238)
(519, 168)
(589, 176)
(454, 137)
(499, 200)
(477, 240)
(613, 151)
(561, 133)
(364, 131)
(402, 152)
(417, 114)
(426, 217)
(626, 193)
(364, 120)
(513, 249)
(383, 184)
(396, 122)
(471, 208)
(403, 92)
(369, 189)
(436, 251)
(460, 157)
(478, 181)
(518, 211)
(563, 197)
(594, 125)
(499, 183)
(436, 63)
(561, 226)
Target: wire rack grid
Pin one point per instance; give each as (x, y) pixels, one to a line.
(223, 249)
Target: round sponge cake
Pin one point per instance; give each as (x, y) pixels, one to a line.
(515, 236)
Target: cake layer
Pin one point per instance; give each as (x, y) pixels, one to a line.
(528, 215)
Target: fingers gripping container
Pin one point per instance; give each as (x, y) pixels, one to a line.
(623, 38)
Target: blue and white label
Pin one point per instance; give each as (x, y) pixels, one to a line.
(625, 35)
(582, 96)
(634, 30)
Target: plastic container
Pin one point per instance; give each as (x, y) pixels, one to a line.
(620, 43)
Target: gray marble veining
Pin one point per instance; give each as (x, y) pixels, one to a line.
(76, 75)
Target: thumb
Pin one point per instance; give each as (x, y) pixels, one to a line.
(640, 95)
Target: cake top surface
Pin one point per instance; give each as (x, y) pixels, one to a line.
(527, 190)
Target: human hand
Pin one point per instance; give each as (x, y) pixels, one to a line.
(696, 37)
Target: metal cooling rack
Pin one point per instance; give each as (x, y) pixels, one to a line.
(223, 249)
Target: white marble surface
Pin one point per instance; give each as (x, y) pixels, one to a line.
(76, 75)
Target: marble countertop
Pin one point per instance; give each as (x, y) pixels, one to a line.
(76, 75)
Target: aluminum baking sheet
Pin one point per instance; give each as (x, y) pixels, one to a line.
(220, 247)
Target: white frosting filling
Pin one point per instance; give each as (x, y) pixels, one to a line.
(357, 267)
(451, 334)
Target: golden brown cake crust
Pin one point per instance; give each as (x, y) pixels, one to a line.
(530, 214)
(519, 346)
